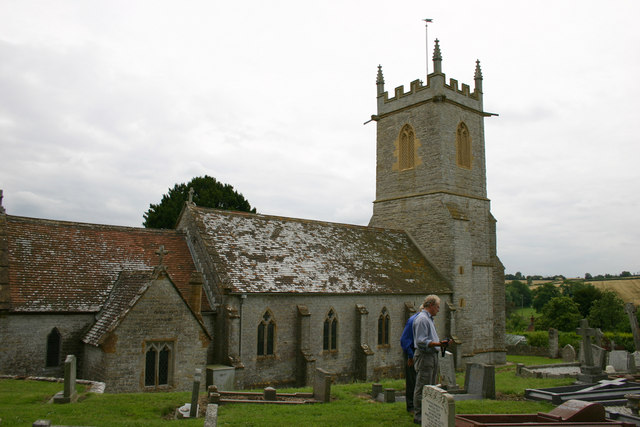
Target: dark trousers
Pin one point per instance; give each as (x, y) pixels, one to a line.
(410, 383)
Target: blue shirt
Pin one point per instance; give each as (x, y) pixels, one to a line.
(424, 332)
(406, 340)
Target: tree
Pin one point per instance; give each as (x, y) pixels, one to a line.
(207, 193)
(518, 294)
(607, 313)
(583, 294)
(560, 313)
(543, 295)
(588, 276)
(625, 274)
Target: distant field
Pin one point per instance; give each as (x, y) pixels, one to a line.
(628, 290)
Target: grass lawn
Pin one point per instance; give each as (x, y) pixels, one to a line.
(22, 402)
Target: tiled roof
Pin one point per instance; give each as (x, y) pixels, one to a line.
(125, 293)
(259, 253)
(58, 266)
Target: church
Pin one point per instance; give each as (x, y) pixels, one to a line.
(265, 300)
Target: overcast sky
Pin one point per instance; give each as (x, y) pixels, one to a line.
(105, 105)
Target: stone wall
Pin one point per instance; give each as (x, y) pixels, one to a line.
(281, 367)
(23, 343)
(159, 315)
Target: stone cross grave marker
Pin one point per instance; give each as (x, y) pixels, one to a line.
(633, 320)
(195, 393)
(586, 332)
(438, 408)
(69, 394)
(568, 353)
(447, 372)
(553, 343)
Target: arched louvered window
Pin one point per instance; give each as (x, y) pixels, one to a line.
(406, 148)
(266, 335)
(463, 146)
(383, 327)
(53, 348)
(330, 332)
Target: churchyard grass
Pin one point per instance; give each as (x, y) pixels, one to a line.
(22, 402)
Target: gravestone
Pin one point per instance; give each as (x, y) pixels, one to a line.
(211, 419)
(69, 394)
(389, 395)
(479, 383)
(636, 358)
(447, 372)
(322, 385)
(590, 369)
(553, 343)
(438, 407)
(633, 320)
(622, 362)
(568, 353)
(270, 394)
(195, 394)
(376, 389)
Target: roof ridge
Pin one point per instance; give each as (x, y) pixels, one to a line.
(66, 223)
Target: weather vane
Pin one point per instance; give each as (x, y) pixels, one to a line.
(427, 21)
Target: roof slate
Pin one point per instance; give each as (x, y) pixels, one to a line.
(259, 253)
(59, 266)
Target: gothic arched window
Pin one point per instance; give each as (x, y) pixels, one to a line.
(406, 148)
(330, 332)
(463, 146)
(158, 363)
(266, 335)
(383, 327)
(53, 348)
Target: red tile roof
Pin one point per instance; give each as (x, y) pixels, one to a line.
(58, 266)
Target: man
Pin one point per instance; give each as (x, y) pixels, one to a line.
(427, 346)
(406, 341)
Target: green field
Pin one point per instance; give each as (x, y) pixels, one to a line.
(22, 402)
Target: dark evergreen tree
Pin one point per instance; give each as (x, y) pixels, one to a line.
(560, 313)
(208, 192)
(607, 313)
(543, 294)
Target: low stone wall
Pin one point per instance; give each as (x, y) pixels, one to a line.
(527, 350)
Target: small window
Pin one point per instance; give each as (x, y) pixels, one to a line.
(330, 332)
(463, 146)
(266, 335)
(53, 348)
(383, 327)
(406, 148)
(158, 364)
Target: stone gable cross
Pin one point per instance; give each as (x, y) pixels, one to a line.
(161, 253)
(586, 332)
(191, 191)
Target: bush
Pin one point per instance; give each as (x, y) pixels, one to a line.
(572, 338)
(537, 338)
(621, 339)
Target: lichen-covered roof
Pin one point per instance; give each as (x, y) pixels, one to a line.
(125, 293)
(59, 266)
(259, 253)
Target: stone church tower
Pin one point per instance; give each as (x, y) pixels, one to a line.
(431, 182)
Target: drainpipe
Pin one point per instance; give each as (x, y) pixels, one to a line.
(242, 298)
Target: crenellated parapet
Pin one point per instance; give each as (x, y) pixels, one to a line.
(436, 90)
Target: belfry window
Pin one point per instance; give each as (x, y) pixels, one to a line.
(463, 146)
(330, 332)
(53, 348)
(158, 364)
(406, 148)
(383, 327)
(266, 335)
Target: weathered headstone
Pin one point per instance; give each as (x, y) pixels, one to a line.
(270, 394)
(636, 358)
(438, 408)
(630, 308)
(568, 353)
(622, 361)
(376, 389)
(553, 343)
(211, 419)
(195, 393)
(389, 395)
(322, 385)
(591, 369)
(69, 394)
(447, 372)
